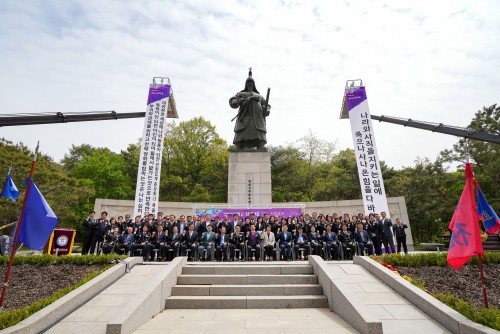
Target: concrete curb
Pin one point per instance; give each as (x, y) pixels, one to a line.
(342, 301)
(443, 314)
(48, 316)
(149, 302)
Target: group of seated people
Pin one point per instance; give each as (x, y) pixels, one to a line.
(207, 238)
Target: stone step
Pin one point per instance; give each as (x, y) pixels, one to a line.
(245, 302)
(246, 269)
(245, 279)
(247, 290)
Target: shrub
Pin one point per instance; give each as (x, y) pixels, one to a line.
(429, 259)
(11, 317)
(46, 259)
(485, 316)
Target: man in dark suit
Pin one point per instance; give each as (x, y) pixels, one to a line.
(302, 241)
(89, 225)
(332, 243)
(285, 243)
(387, 236)
(175, 242)
(233, 224)
(207, 242)
(399, 231)
(237, 242)
(190, 241)
(362, 237)
(125, 244)
(222, 245)
(253, 242)
(159, 241)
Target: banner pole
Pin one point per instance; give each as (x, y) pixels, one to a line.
(482, 280)
(18, 228)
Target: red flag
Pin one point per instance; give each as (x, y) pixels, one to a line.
(466, 237)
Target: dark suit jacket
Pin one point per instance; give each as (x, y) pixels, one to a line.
(330, 238)
(253, 240)
(219, 239)
(190, 239)
(387, 227)
(305, 239)
(281, 238)
(399, 230)
(359, 236)
(159, 237)
(174, 238)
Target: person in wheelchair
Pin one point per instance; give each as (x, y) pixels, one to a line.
(346, 240)
(362, 237)
(331, 242)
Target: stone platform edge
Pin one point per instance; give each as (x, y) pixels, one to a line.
(442, 313)
(149, 302)
(51, 314)
(342, 301)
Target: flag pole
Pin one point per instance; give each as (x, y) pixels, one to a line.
(18, 228)
(479, 257)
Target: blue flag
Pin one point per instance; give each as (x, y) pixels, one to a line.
(9, 189)
(38, 220)
(490, 218)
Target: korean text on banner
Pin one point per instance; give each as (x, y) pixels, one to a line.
(148, 175)
(365, 149)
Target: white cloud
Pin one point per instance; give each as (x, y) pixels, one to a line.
(427, 60)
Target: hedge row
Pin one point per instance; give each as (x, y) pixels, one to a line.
(46, 259)
(11, 317)
(429, 259)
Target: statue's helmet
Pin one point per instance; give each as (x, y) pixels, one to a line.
(250, 79)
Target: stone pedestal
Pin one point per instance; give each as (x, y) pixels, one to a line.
(249, 182)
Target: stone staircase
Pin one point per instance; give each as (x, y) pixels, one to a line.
(246, 285)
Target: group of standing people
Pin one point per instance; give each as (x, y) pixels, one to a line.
(208, 238)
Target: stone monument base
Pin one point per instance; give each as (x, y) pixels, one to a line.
(249, 182)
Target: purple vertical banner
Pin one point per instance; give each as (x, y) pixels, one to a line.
(280, 212)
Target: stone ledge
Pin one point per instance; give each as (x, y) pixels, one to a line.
(344, 302)
(149, 302)
(442, 313)
(48, 316)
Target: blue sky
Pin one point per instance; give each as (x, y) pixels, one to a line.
(427, 60)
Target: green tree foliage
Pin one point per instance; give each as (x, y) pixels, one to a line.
(195, 163)
(485, 156)
(105, 171)
(65, 194)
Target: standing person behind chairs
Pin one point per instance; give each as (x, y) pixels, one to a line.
(399, 231)
(387, 236)
(362, 237)
(285, 243)
(207, 242)
(222, 245)
(253, 239)
(100, 231)
(269, 241)
(89, 225)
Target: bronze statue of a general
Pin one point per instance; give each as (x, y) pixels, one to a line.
(250, 128)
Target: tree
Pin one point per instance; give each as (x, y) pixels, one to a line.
(195, 159)
(105, 171)
(67, 196)
(485, 156)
